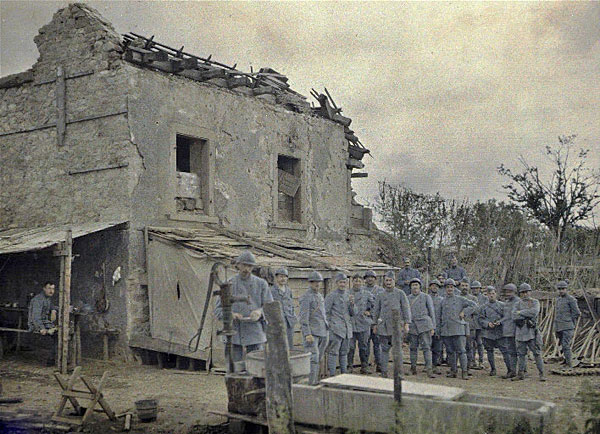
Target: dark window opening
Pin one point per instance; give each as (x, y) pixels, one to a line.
(192, 172)
(289, 191)
(183, 153)
(178, 292)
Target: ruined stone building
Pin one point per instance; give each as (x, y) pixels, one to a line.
(130, 145)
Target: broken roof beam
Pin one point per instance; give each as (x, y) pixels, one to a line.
(241, 81)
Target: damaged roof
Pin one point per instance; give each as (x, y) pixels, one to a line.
(299, 257)
(18, 240)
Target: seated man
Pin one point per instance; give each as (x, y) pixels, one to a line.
(42, 317)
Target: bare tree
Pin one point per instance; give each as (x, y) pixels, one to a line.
(568, 197)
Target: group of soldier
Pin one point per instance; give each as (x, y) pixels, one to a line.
(455, 317)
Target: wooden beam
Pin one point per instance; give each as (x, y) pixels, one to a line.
(359, 175)
(278, 379)
(61, 116)
(65, 303)
(397, 353)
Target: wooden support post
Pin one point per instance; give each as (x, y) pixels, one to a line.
(105, 352)
(397, 353)
(278, 381)
(61, 116)
(65, 303)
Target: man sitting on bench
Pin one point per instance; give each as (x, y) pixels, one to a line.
(42, 317)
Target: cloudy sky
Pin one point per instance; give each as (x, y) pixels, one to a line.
(442, 93)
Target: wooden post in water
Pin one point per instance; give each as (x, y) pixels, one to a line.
(278, 379)
(397, 354)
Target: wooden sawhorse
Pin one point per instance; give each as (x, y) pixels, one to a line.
(93, 394)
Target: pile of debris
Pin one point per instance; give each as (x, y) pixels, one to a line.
(266, 84)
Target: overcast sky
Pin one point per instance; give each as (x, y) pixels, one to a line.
(442, 93)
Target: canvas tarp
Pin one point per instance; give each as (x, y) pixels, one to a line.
(177, 291)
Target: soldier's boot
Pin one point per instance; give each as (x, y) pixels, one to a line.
(377, 368)
(493, 373)
(469, 373)
(413, 370)
(508, 375)
(364, 369)
(480, 365)
(430, 373)
(437, 370)
(542, 377)
(383, 374)
(451, 374)
(520, 376)
(465, 375)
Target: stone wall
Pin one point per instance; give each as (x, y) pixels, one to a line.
(247, 134)
(37, 186)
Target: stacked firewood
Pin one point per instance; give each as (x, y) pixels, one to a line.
(586, 339)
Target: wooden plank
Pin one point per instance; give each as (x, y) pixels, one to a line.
(386, 385)
(66, 302)
(287, 183)
(61, 116)
(278, 379)
(160, 345)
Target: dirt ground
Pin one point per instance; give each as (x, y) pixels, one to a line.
(186, 397)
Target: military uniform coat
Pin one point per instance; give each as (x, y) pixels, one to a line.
(339, 313)
(363, 302)
(375, 290)
(508, 323)
(526, 309)
(491, 312)
(566, 313)
(404, 275)
(313, 320)
(422, 313)
(450, 322)
(457, 273)
(287, 304)
(257, 289)
(386, 301)
(437, 305)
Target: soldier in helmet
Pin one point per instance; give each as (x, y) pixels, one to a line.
(489, 319)
(525, 313)
(282, 293)
(313, 323)
(361, 323)
(405, 275)
(374, 290)
(565, 317)
(436, 339)
(391, 298)
(453, 328)
(247, 315)
(422, 326)
(509, 348)
(475, 326)
(339, 307)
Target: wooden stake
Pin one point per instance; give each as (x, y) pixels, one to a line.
(278, 372)
(61, 117)
(397, 353)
